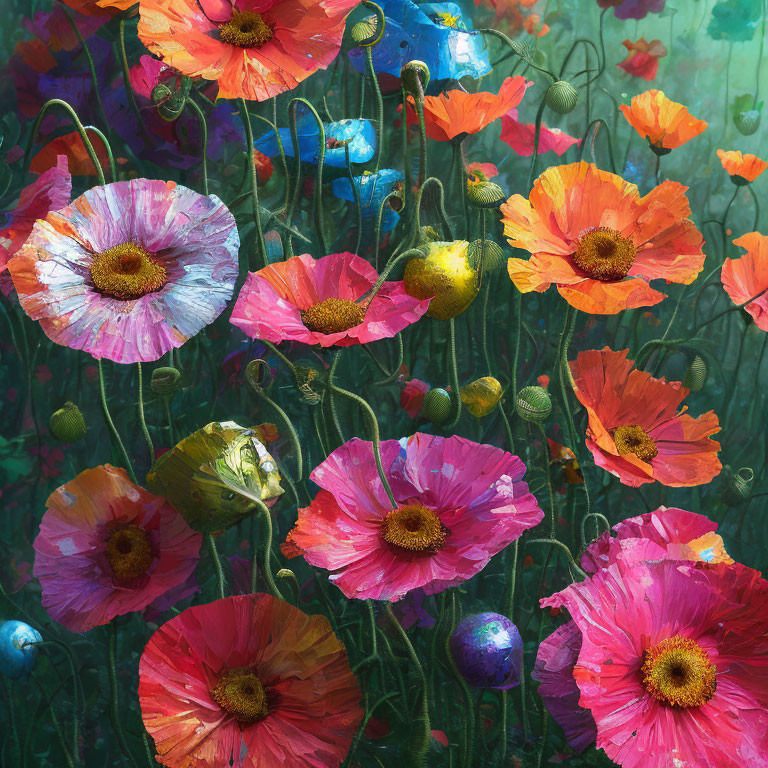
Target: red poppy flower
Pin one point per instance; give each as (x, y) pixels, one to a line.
(635, 430)
(522, 137)
(71, 146)
(643, 58)
(248, 681)
(454, 113)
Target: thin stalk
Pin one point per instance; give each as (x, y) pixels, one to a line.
(114, 702)
(220, 580)
(111, 424)
(261, 248)
(267, 517)
(142, 418)
(454, 373)
(204, 152)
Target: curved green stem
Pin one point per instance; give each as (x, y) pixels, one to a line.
(114, 702)
(261, 248)
(126, 73)
(379, 104)
(555, 542)
(111, 424)
(517, 49)
(267, 517)
(454, 373)
(536, 139)
(142, 418)
(596, 125)
(470, 721)
(204, 152)
(220, 580)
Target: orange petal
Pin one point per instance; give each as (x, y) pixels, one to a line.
(598, 298)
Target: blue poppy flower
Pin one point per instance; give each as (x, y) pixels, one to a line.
(359, 135)
(17, 656)
(372, 189)
(436, 33)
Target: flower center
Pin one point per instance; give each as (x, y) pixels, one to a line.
(246, 29)
(413, 528)
(127, 271)
(128, 553)
(604, 255)
(678, 672)
(241, 694)
(333, 316)
(634, 439)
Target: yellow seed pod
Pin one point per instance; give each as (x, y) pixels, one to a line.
(481, 396)
(445, 274)
(214, 476)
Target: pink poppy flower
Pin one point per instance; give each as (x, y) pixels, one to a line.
(643, 58)
(270, 687)
(459, 503)
(129, 270)
(673, 664)
(315, 301)
(107, 547)
(49, 192)
(412, 396)
(665, 534)
(522, 137)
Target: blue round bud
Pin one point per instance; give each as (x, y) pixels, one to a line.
(488, 651)
(17, 657)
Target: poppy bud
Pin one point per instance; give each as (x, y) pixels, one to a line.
(67, 424)
(17, 648)
(437, 406)
(533, 404)
(415, 77)
(561, 97)
(364, 33)
(481, 396)
(492, 256)
(170, 103)
(309, 383)
(696, 375)
(747, 122)
(484, 194)
(737, 486)
(165, 381)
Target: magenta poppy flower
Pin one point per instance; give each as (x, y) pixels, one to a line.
(633, 9)
(643, 58)
(317, 301)
(522, 137)
(458, 504)
(107, 547)
(673, 664)
(129, 270)
(664, 534)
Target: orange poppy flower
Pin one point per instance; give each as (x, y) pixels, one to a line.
(70, 145)
(744, 168)
(457, 113)
(99, 7)
(745, 277)
(665, 123)
(593, 236)
(635, 430)
(255, 49)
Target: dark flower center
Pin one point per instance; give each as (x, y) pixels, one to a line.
(634, 439)
(333, 316)
(413, 529)
(246, 29)
(241, 694)
(678, 672)
(127, 271)
(603, 254)
(129, 553)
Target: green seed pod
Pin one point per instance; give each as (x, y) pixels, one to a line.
(696, 375)
(437, 406)
(364, 33)
(747, 122)
(484, 194)
(165, 381)
(67, 424)
(415, 77)
(170, 103)
(561, 97)
(737, 486)
(494, 256)
(533, 404)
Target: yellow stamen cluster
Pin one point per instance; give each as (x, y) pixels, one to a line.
(413, 529)
(127, 271)
(246, 29)
(129, 553)
(632, 438)
(241, 694)
(603, 254)
(678, 672)
(333, 316)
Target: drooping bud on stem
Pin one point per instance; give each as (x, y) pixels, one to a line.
(561, 97)
(533, 404)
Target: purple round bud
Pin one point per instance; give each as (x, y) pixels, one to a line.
(488, 651)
